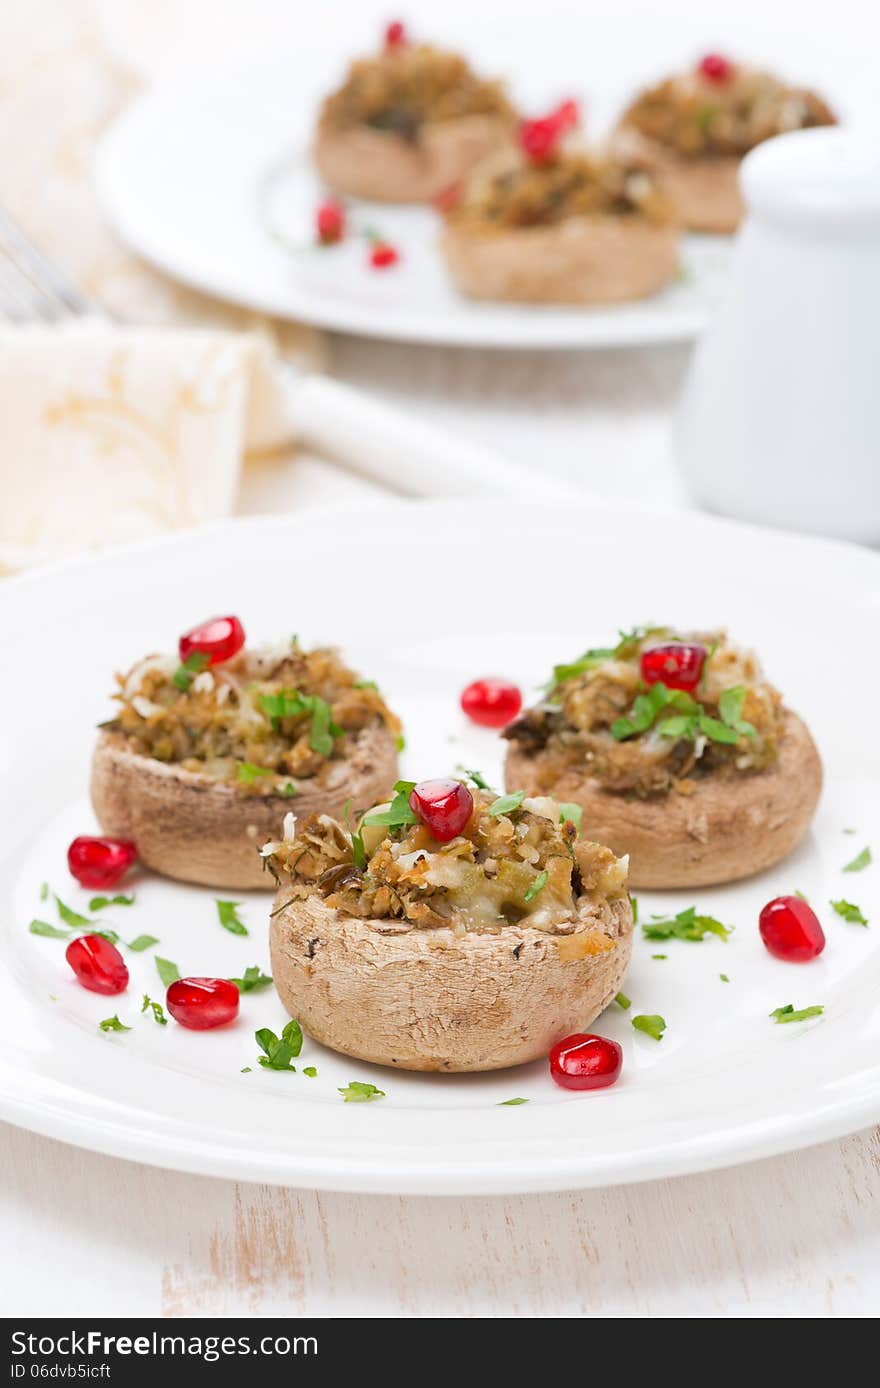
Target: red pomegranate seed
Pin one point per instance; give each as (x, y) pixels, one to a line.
(395, 35)
(716, 68)
(449, 198)
(584, 1061)
(202, 1003)
(678, 664)
(443, 806)
(567, 115)
(219, 639)
(330, 222)
(492, 703)
(100, 862)
(790, 929)
(539, 138)
(97, 964)
(382, 255)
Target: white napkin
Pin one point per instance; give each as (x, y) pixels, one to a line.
(114, 434)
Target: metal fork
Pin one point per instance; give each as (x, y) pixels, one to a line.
(32, 289)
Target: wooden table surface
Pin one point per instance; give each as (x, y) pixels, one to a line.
(794, 1236)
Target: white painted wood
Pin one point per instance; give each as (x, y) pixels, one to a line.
(84, 1234)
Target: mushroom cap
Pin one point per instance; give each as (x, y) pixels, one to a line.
(382, 166)
(705, 190)
(730, 826)
(200, 829)
(431, 999)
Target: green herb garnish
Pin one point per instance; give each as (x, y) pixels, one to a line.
(861, 860)
(537, 885)
(157, 1010)
(724, 978)
(511, 1103)
(246, 1069)
(311, 1071)
(195, 662)
(623, 1001)
(399, 811)
(506, 804)
(112, 1024)
(167, 971)
(573, 812)
(788, 1014)
(651, 1024)
(44, 890)
(246, 773)
(71, 917)
(476, 776)
(227, 912)
(290, 703)
(98, 903)
(140, 943)
(687, 925)
(357, 1092)
(850, 912)
(253, 979)
(279, 1050)
(52, 932)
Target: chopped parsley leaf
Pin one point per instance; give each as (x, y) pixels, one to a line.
(167, 971)
(861, 860)
(366, 684)
(850, 912)
(399, 812)
(195, 662)
(687, 925)
(573, 812)
(157, 1010)
(98, 903)
(476, 776)
(288, 790)
(659, 956)
(788, 1014)
(52, 932)
(536, 886)
(724, 978)
(71, 917)
(112, 1024)
(651, 1024)
(252, 980)
(506, 804)
(634, 904)
(140, 943)
(801, 896)
(511, 1103)
(623, 1001)
(227, 912)
(246, 773)
(400, 742)
(279, 1050)
(44, 890)
(311, 1071)
(246, 1069)
(358, 1092)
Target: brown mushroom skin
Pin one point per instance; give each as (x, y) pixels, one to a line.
(705, 190)
(428, 999)
(360, 162)
(198, 829)
(731, 826)
(601, 259)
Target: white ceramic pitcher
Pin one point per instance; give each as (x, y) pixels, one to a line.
(780, 417)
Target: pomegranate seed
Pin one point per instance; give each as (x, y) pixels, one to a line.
(567, 115)
(330, 222)
(539, 138)
(790, 929)
(202, 1003)
(443, 806)
(382, 256)
(492, 703)
(395, 35)
(716, 69)
(219, 639)
(97, 964)
(99, 862)
(584, 1061)
(449, 198)
(677, 664)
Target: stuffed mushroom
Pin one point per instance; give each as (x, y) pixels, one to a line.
(407, 123)
(453, 930)
(208, 750)
(680, 754)
(569, 227)
(694, 129)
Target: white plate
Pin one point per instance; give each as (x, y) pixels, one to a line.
(211, 181)
(425, 597)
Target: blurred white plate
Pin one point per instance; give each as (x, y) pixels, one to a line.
(395, 586)
(211, 181)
